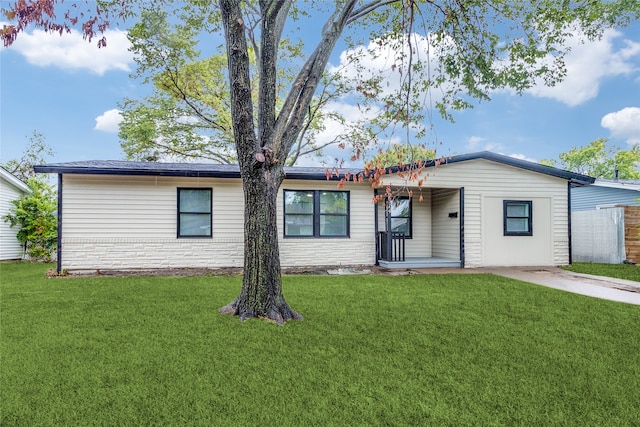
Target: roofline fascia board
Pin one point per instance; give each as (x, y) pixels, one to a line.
(299, 173)
(619, 186)
(14, 180)
(575, 178)
(82, 170)
(125, 171)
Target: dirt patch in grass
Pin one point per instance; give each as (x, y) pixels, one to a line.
(233, 271)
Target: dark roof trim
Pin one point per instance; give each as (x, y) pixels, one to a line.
(575, 178)
(210, 170)
(201, 170)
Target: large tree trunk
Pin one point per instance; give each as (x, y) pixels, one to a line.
(261, 156)
(261, 294)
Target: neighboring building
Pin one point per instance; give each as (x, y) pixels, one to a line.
(605, 193)
(11, 188)
(605, 222)
(480, 209)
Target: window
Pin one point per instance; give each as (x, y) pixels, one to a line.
(400, 214)
(517, 218)
(315, 213)
(194, 212)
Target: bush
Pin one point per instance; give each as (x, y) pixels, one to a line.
(35, 215)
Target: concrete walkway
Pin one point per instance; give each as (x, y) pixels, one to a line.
(584, 284)
(555, 277)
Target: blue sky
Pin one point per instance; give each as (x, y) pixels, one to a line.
(69, 90)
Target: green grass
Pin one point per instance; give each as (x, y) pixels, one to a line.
(620, 271)
(372, 350)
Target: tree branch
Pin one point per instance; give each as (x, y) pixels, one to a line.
(295, 107)
(252, 27)
(368, 8)
(274, 13)
(199, 153)
(183, 95)
(240, 84)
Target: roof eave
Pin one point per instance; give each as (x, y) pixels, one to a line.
(14, 181)
(574, 178)
(290, 173)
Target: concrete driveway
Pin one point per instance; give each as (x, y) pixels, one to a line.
(584, 284)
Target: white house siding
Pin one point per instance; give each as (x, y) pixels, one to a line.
(485, 184)
(445, 230)
(420, 243)
(473, 252)
(517, 250)
(130, 222)
(358, 249)
(10, 247)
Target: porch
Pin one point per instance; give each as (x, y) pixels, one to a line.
(421, 262)
(424, 232)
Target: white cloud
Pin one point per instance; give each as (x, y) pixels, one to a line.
(587, 65)
(624, 124)
(109, 121)
(350, 113)
(473, 142)
(334, 130)
(523, 157)
(72, 52)
(478, 143)
(389, 61)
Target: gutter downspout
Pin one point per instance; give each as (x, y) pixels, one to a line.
(59, 248)
(461, 227)
(569, 221)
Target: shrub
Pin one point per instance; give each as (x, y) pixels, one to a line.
(35, 215)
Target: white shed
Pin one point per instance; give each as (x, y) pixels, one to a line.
(11, 188)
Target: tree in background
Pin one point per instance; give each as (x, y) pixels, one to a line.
(471, 49)
(34, 213)
(599, 160)
(404, 157)
(36, 153)
(188, 116)
(400, 155)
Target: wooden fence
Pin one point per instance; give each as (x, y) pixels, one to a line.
(632, 233)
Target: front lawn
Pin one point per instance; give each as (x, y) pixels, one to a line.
(620, 271)
(373, 350)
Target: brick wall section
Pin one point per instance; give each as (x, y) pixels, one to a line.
(632, 232)
(142, 253)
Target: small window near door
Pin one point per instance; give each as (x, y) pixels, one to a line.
(518, 218)
(400, 215)
(194, 212)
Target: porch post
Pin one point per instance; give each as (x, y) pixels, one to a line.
(376, 237)
(387, 215)
(461, 227)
